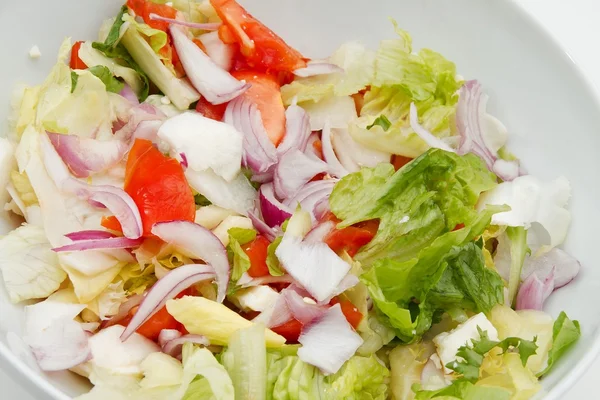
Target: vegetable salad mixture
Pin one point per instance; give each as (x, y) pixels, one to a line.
(209, 214)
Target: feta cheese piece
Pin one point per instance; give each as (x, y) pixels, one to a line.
(35, 52)
(448, 343)
(207, 144)
(536, 205)
(256, 298)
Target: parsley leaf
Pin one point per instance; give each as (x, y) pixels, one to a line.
(237, 256)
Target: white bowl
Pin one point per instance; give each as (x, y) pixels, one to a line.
(535, 89)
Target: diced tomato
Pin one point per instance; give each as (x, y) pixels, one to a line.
(352, 238)
(459, 226)
(76, 62)
(318, 146)
(151, 328)
(111, 223)
(353, 316)
(144, 8)
(261, 47)
(290, 331)
(212, 111)
(257, 251)
(158, 186)
(400, 161)
(199, 43)
(265, 93)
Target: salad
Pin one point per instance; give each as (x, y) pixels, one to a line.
(209, 214)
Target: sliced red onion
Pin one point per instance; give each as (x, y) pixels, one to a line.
(348, 282)
(534, 292)
(275, 315)
(199, 243)
(314, 68)
(335, 167)
(321, 208)
(85, 156)
(147, 130)
(319, 232)
(264, 280)
(205, 27)
(310, 146)
(124, 309)
(310, 189)
(100, 244)
(89, 235)
(116, 200)
(173, 347)
(428, 137)
(166, 335)
(273, 211)
(260, 154)
(213, 82)
(137, 116)
(221, 53)
(329, 341)
(63, 345)
(261, 226)
(564, 266)
(293, 171)
(297, 130)
(130, 95)
(470, 111)
(302, 311)
(312, 265)
(184, 161)
(165, 289)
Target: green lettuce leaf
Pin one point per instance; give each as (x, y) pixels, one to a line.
(403, 77)
(288, 378)
(245, 359)
(201, 362)
(428, 197)
(565, 333)
(417, 253)
(104, 74)
(272, 261)
(464, 390)
(518, 250)
(240, 260)
(112, 49)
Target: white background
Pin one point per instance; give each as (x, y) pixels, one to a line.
(574, 25)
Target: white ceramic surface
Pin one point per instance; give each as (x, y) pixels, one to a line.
(535, 90)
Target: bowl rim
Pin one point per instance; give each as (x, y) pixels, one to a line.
(16, 366)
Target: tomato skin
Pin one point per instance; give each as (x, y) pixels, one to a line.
(76, 62)
(353, 316)
(262, 48)
(400, 161)
(144, 8)
(266, 94)
(157, 185)
(211, 111)
(351, 238)
(290, 330)
(257, 251)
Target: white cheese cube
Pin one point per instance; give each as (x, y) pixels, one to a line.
(448, 343)
(257, 298)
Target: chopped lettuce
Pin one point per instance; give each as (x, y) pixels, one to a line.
(275, 268)
(425, 199)
(357, 62)
(465, 390)
(406, 364)
(240, 261)
(417, 253)
(214, 320)
(246, 361)
(23, 187)
(288, 377)
(29, 267)
(201, 362)
(179, 91)
(101, 72)
(565, 333)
